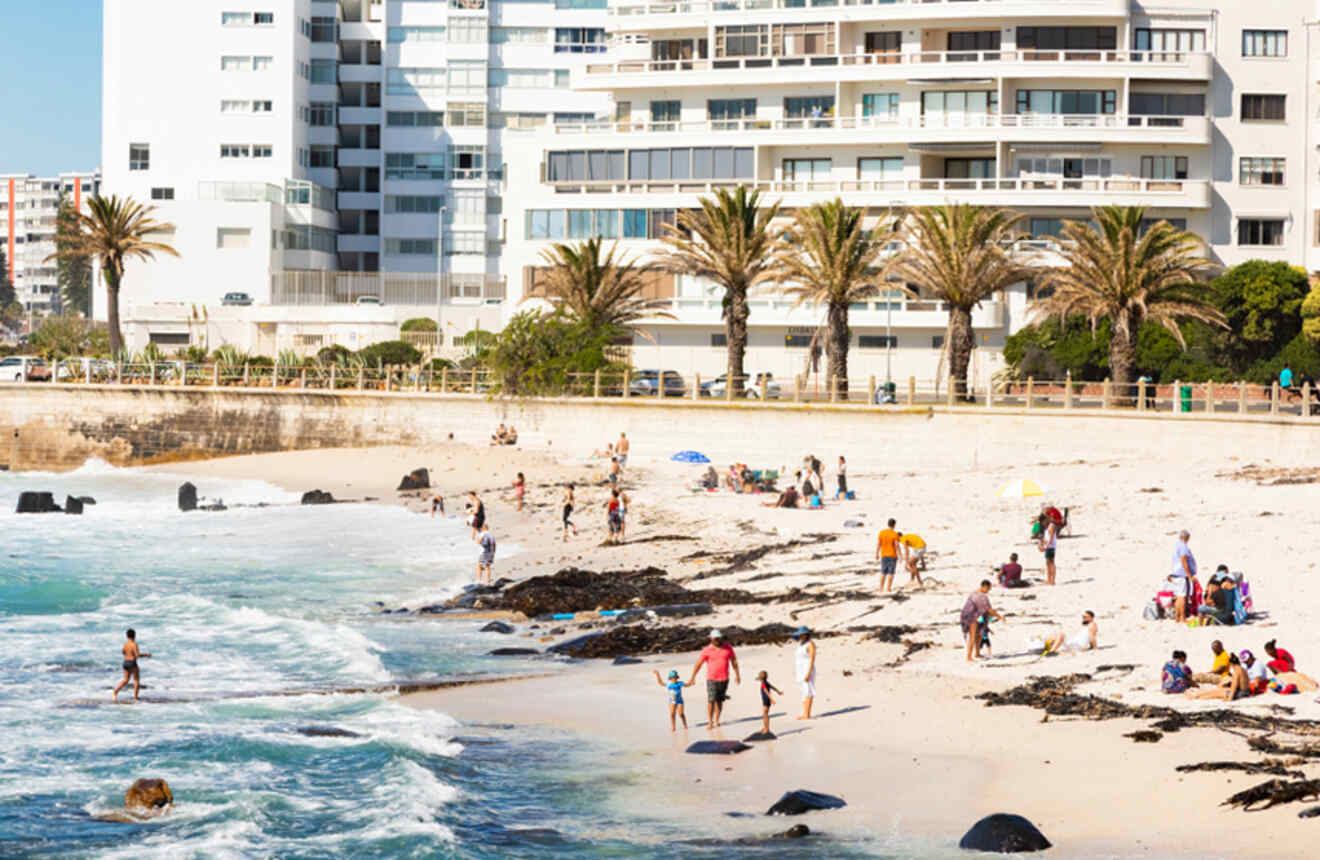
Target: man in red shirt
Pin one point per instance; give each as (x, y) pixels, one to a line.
(718, 656)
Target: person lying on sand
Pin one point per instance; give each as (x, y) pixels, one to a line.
(1081, 640)
(1236, 687)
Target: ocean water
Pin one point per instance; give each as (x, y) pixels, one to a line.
(240, 609)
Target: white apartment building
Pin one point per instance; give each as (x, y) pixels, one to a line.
(311, 153)
(28, 208)
(1204, 112)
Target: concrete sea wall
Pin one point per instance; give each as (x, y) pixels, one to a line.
(59, 427)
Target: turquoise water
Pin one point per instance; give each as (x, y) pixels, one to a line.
(236, 608)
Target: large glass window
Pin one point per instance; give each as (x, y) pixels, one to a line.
(883, 42)
(1066, 101)
(1166, 104)
(967, 46)
(414, 165)
(467, 76)
(139, 156)
(808, 107)
(579, 40)
(324, 72)
(408, 118)
(969, 168)
(467, 161)
(1260, 171)
(958, 107)
(1163, 167)
(1260, 231)
(634, 223)
(519, 35)
(794, 40)
(666, 111)
(884, 169)
(1263, 107)
(1067, 39)
(467, 30)
(521, 78)
(751, 40)
(1264, 43)
(729, 113)
(413, 204)
(1064, 167)
(321, 113)
(807, 169)
(470, 114)
(418, 34)
(1166, 40)
(880, 105)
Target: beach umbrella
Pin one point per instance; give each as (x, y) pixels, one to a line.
(690, 457)
(1022, 488)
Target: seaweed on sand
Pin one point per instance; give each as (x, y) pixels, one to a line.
(1269, 766)
(1273, 793)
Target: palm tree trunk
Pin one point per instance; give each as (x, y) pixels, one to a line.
(1123, 358)
(960, 350)
(735, 327)
(836, 348)
(112, 312)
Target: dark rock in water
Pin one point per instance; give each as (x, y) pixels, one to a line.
(497, 627)
(575, 646)
(187, 497)
(797, 831)
(417, 479)
(36, 503)
(217, 505)
(86, 500)
(431, 609)
(761, 736)
(317, 497)
(1004, 834)
(72, 505)
(625, 661)
(802, 801)
(513, 652)
(853, 524)
(556, 631)
(325, 732)
(716, 748)
(148, 796)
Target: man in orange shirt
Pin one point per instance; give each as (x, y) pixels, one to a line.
(886, 552)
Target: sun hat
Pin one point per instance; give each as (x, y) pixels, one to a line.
(673, 673)
(716, 634)
(801, 631)
(1246, 654)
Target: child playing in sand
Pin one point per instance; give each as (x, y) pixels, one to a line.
(675, 688)
(766, 699)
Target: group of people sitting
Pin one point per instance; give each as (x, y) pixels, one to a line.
(808, 496)
(1217, 603)
(504, 436)
(1235, 676)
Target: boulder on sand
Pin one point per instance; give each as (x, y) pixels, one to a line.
(148, 797)
(801, 801)
(624, 660)
(87, 500)
(417, 479)
(187, 497)
(761, 736)
(1004, 834)
(317, 497)
(497, 627)
(514, 652)
(72, 505)
(36, 503)
(716, 748)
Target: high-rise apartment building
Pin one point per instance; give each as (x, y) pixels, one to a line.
(1202, 111)
(342, 164)
(29, 206)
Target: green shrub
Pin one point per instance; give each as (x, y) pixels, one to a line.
(333, 354)
(419, 324)
(390, 353)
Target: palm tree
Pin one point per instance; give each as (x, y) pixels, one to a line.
(728, 241)
(115, 230)
(828, 258)
(598, 290)
(1114, 271)
(958, 254)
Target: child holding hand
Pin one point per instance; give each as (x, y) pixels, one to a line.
(675, 688)
(766, 699)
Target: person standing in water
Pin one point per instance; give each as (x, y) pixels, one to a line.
(568, 512)
(131, 656)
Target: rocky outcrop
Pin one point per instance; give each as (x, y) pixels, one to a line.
(576, 590)
(717, 748)
(498, 627)
(514, 652)
(36, 503)
(641, 639)
(187, 497)
(761, 736)
(803, 801)
(72, 505)
(797, 831)
(317, 497)
(1004, 834)
(417, 479)
(148, 797)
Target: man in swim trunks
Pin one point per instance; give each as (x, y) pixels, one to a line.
(886, 552)
(914, 554)
(621, 450)
(131, 656)
(718, 656)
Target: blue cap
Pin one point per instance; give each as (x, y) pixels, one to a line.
(801, 631)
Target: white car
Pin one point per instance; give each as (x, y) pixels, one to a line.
(23, 368)
(751, 388)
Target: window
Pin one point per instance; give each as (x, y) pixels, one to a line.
(261, 64)
(1163, 167)
(725, 114)
(321, 156)
(262, 106)
(415, 165)
(1065, 168)
(410, 118)
(235, 19)
(407, 81)
(958, 107)
(801, 107)
(1146, 223)
(229, 238)
(797, 341)
(418, 34)
(751, 40)
(519, 35)
(321, 113)
(579, 40)
(520, 121)
(1166, 104)
(877, 341)
(807, 169)
(235, 150)
(261, 151)
(937, 341)
(465, 242)
(702, 162)
(1261, 108)
(162, 194)
(1260, 231)
(666, 111)
(791, 40)
(424, 247)
(1043, 228)
(1264, 43)
(263, 19)
(969, 168)
(139, 156)
(235, 106)
(1260, 171)
(467, 206)
(720, 340)
(324, 72)
(886, 42)
(972, 42)
(1066, 101)
(880, 169)
(521, 78)
(467, 114)
(413, 204)
(467, 30)
(325, 29)
(1066, 39)
(235, 64)
(880, 105)
(1166, 40)
(467, 161)
(467, 76)
(634, 223)
(580, 4)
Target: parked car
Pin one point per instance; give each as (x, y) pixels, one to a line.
(368, 300)
(646, 383)
(24, 368)
(242, 299)
(751, 388)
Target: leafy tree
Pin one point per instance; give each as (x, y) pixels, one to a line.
(114, 231)
(419, 324)
(828, 257)
(390, 353)
(594, 286)
(1300, 354)
(1261, 302)
(957, 253)
(74, 268)
(728, 241)
(1311, 315)
(1112, 271)
(540, 354)
(61, 337)
(8, 295)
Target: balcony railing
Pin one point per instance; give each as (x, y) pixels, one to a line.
(930, 121)
(1114, 185)
(392, 288)
(705, 7)
(1154, 60)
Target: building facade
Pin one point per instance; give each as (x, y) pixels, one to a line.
(343, 164)
(29, 206)
(1201, 112)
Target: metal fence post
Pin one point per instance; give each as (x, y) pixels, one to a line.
(1141, 395)
(696, 386)
(215, 375)
(474, 381)
(153, 373)
(1274, 398)
(1031, 383)
(333, 368)
(362, 378)
(302, 378)
(1306, 400)
(595, 383)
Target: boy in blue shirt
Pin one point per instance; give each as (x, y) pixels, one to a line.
(675, 688)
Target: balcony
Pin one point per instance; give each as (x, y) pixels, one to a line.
(915, 66)
(1019, 192)
(1056, 128)
(776, 310)
(638, 14)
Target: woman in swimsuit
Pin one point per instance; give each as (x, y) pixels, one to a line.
(568, 512)
(519, 488)
(131, 656)
(478, 513)
(1235, 685)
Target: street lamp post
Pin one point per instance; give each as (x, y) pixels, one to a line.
(440, 282)
(889, 338)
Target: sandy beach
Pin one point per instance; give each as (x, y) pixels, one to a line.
(900, 737)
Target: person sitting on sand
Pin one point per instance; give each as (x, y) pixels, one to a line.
(978, 604)
(787, 499)
(1081, 640)
(675, 688)
(1010, 573)
(607, 453)
(511, 438)
(1177, 675)
(1218, 669)
(1218, 602)
(1256, 672)
(498, 437)
(766, 699)
(710, 480)
(1280, 660)
(1236, 685)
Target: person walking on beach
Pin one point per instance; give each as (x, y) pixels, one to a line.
(624, 502)
(568, 512)
(841, 480)
(478, 509)
(718, 658)
(437, 504)
(804, 666)
(487, 555)
(519, 490)
(886, 552)
(614, 471)
(1048, 544)
(675, 688)
(614, 517)
(1182, 575)
(766, 699)
(977, 605)
(131, 656)
(621, 450)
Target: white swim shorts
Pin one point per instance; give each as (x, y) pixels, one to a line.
(808, 689)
